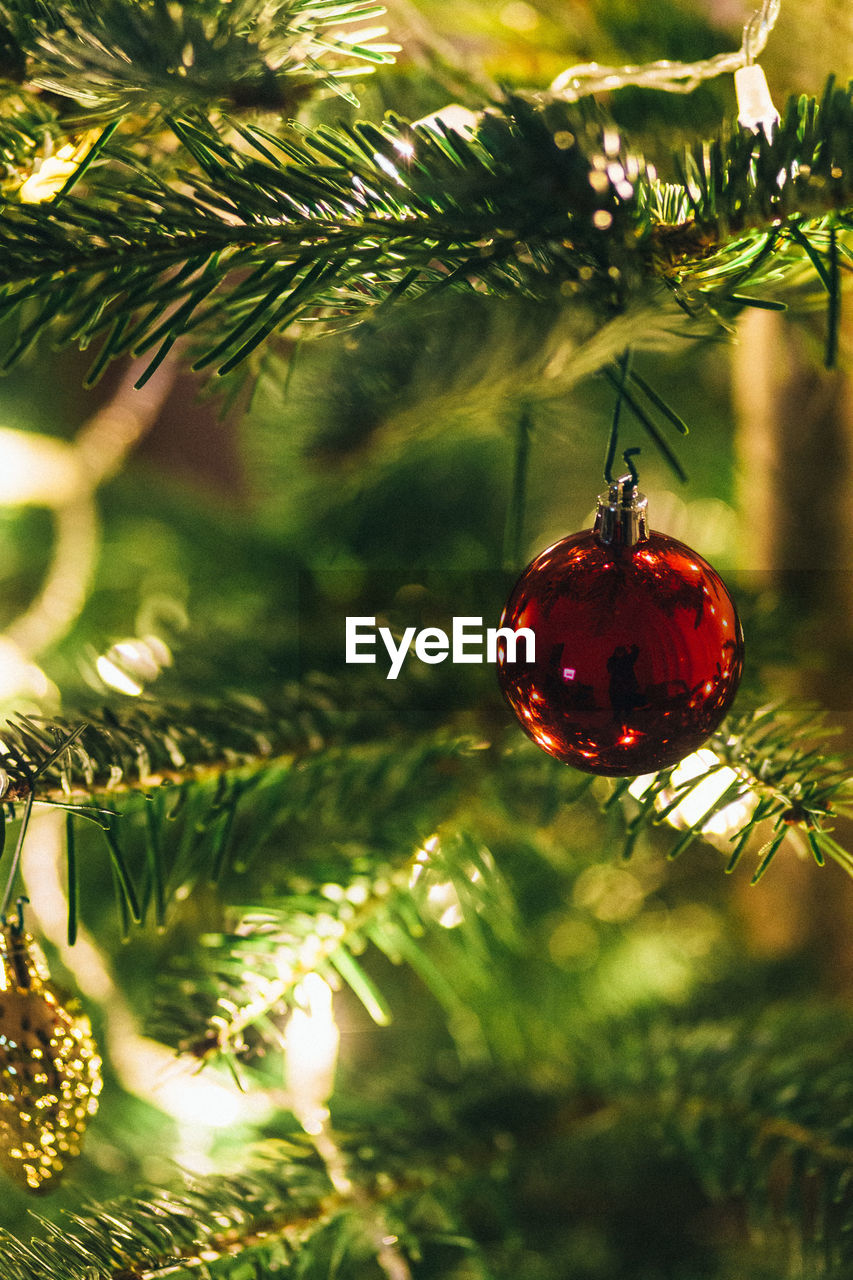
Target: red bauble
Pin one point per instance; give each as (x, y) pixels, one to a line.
(638, 650)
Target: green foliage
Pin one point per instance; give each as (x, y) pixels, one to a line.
(323, 224)
(115, 58)
(232, 998)
(177, 795)
(777, 758)
(28, 126)
(757, 1111)
(760, 1108)
(140, 746)
(162, 1228)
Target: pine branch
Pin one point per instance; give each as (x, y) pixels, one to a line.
(279, 1214)
(737, 1100)
(276, 1207)
(138, 747)
(761, 1108)
(329, 224)
(28, 126)
(767, 768)
(220, 817)
(115, 58)
(758, 1109)
(236, 998)
(215, 784)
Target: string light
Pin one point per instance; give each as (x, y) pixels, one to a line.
(712, 779)
(311, 1040)
(673, 77)
(53, 172)
(64, 477)
(431, 883)
(455, 117)
(128, 665)
(755, 106)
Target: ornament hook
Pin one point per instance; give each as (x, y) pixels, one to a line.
(17, 926)
(629, 455)
(623, 364)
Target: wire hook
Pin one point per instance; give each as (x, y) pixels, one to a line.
(629, 455)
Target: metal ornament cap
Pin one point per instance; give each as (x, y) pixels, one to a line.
(622, 515)
(50, 1069)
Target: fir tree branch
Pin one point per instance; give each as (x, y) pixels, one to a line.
(268, 1218)
(210, 827)
(773, 769)
(761, 1108)
(114, 58)
(182, 1230)
(329, 224)
(246, 979)
(28, 126)
(240, 756)
(737, 1099)
(138, 747)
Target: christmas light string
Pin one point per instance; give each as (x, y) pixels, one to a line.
(64, 477)
(672, 77)
(311, 1040)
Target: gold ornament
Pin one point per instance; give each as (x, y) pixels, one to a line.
(50, 1071)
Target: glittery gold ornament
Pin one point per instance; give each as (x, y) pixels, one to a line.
(50, 1071)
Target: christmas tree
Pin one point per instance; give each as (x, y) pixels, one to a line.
(320, 322)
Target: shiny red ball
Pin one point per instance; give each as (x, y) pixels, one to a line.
(638, 653)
